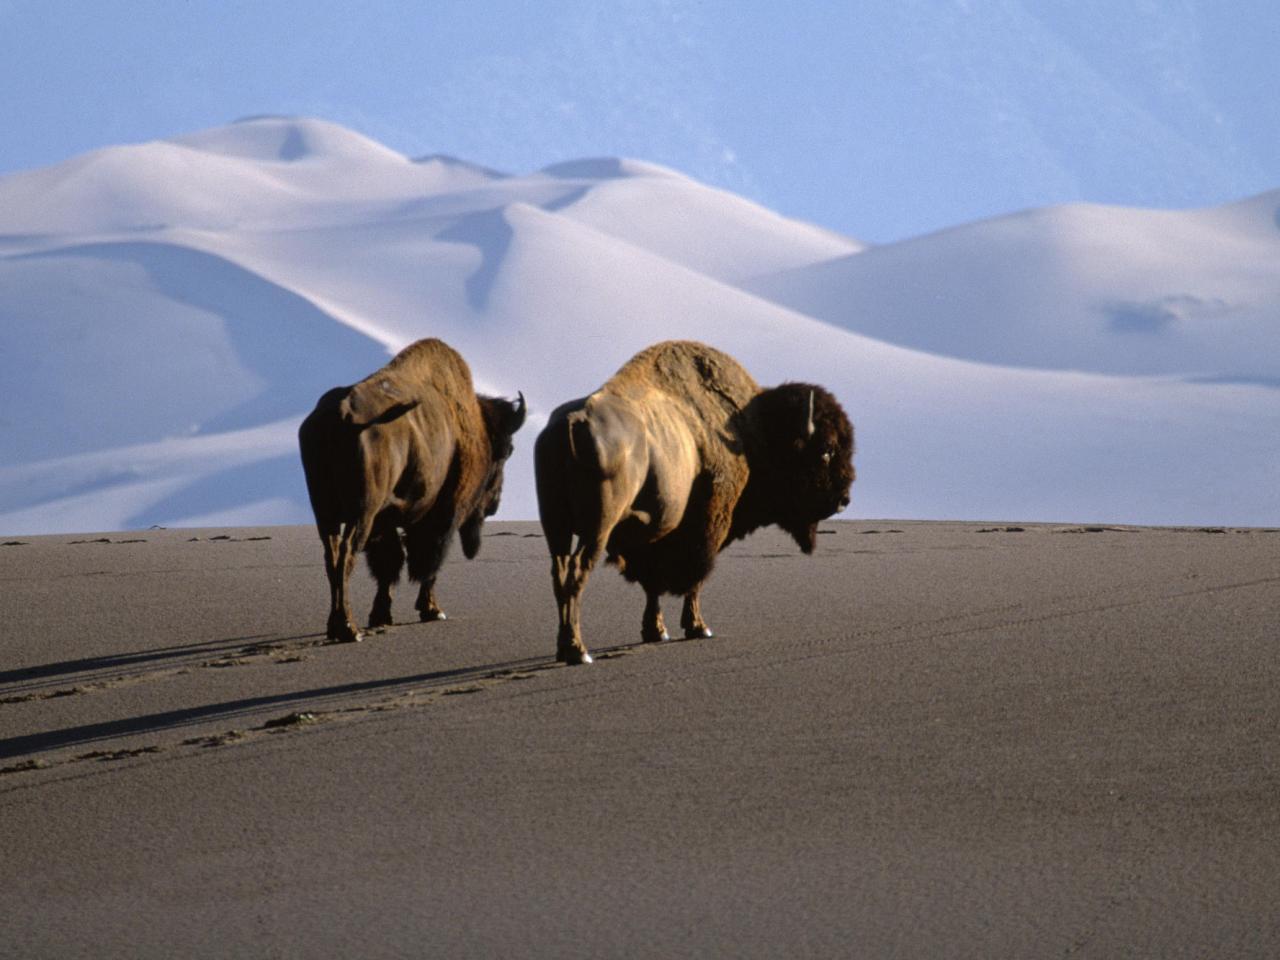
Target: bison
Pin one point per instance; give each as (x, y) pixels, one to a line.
(409, 448)
(677, 455)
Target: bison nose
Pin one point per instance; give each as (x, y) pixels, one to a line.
(844, 501)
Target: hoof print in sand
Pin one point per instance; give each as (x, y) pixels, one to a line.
(117, 754)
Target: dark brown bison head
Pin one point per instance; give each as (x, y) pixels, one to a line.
(800, 449)
(502, 418)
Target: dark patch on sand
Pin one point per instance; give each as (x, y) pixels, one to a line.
(1096, 529)
(24, 766)
(116, 754)
(215, 740)
(225, 538)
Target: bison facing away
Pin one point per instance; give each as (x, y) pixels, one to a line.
(409, 448)
(678, 454)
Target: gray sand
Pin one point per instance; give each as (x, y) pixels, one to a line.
(928, 740)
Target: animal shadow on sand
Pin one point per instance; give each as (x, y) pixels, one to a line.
(348, 698)
(113, 666)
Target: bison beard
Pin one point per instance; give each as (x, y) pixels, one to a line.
(410, 448)
(678, 454)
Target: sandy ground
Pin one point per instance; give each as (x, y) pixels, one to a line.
(928, 740)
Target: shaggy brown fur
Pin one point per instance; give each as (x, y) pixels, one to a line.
(411, 447)
(680, 452)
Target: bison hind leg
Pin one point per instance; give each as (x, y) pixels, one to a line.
(653, 628)
(569, 575)
(342, 542)
(340, 629)
(695, 628)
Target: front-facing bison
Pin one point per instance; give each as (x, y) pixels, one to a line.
(678, 454)
(410, 448)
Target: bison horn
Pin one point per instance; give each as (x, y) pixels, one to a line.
(518, 411)
(808, 430)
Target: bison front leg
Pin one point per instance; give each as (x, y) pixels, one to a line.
(653, 629)
(427, 607)
(695, 628)
(427, 548)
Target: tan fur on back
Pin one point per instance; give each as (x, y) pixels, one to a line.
(428, 372)
(432, 363)
(423, 367)
(711, 385)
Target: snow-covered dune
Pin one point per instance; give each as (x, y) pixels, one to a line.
(169, 311)
(1112, 290)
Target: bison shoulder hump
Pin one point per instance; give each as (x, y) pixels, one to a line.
(711, 381)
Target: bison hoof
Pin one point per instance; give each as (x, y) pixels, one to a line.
(573, 658)
(427, 616)
(698, 633)
(654, 636)
(342, 631)
(379, 622)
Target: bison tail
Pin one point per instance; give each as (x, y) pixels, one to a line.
(584, 446)
(603, 436)
(376, 400)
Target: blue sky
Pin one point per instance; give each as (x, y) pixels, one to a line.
(879, 120)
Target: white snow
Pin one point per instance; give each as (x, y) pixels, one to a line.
(169, 311)
(1083, 287)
